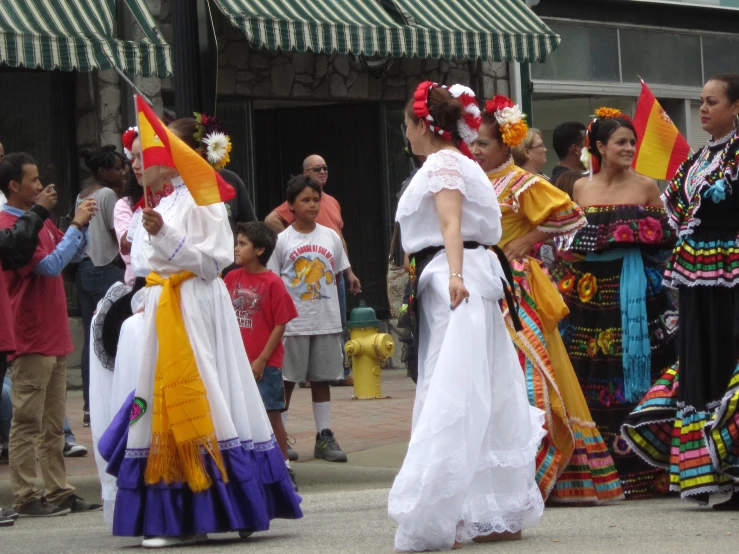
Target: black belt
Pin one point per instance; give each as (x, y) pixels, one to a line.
(423, 257)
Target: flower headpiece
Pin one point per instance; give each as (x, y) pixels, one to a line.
(467, 126)
(587, 158)
(127, 140)
(213, 142)
(510, 118)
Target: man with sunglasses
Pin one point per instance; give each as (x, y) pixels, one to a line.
(329, 216)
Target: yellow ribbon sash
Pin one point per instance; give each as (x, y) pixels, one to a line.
(182, 426)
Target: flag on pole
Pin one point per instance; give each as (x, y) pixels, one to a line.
(660, 148)
(160, 146)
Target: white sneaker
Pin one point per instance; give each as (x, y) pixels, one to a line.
(74, 450)
(167, 542)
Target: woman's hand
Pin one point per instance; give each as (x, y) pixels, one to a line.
(518, 248)
(152, 221)
(457, 292)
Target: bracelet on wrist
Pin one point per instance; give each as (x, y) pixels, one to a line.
(75, 224)
(456, 275)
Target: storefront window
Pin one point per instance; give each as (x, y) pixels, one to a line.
(720, 55)
(665, 58)
(585, 54)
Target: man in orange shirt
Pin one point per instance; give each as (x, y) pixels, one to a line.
(329, 216)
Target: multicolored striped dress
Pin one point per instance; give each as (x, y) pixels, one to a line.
(573, 463)
(689, 421)
(614, 266)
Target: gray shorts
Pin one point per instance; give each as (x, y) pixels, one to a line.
(313, 358)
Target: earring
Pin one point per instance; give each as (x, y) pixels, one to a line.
(736, 121)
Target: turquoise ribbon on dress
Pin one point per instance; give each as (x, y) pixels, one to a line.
(636, 349)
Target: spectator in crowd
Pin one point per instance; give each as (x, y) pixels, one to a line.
(315, 167)
(566, 181)
(531, 154)
(568, 141)
(101, 265)
(42, 342)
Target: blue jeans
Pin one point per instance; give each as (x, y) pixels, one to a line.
(341, 285)
(92, 283)
(6, 414)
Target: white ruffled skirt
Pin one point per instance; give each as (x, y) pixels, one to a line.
(470, 467)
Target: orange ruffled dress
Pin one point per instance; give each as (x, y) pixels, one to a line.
(573, 462)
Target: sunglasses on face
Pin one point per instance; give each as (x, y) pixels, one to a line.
(319, 168)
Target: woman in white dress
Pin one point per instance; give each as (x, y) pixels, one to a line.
(470, 469)
(231, 475)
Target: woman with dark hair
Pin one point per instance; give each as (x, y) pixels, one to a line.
(573, 464)
(566, 181)
(620, 332)
(692, 430)
(101, 266)
(469, 472)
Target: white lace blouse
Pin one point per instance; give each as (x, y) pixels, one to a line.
(448, 169)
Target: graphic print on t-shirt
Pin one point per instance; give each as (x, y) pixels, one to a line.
(312, 269)
(247, 301)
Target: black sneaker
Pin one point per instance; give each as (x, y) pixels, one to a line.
(327, 448)
(291, 454)
(291, 473)
(76, 505)
(85, 419)
(42, 508)
(74, 450)
(6, 521)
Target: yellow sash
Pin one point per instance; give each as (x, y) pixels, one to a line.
(549, 304)
(181, 421)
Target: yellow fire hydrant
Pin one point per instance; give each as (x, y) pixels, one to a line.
(367, 348)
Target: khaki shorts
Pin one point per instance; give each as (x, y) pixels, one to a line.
(313, 358)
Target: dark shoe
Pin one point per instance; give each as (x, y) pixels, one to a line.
(291, 473)
(327, 448)
(700, 499)
(730, 505)
(7, 512)
(76, 505)
(86, 419)
(42, 508)
(291, 454)
(6, 521)
(245, 534)
(74, 450)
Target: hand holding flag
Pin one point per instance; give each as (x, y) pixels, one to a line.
(160, 146)
(660, 148)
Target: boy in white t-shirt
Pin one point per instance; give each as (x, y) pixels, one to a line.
(308, 257)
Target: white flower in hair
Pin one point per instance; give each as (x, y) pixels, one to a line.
(217, 147)
(471, 112)
(509, 116)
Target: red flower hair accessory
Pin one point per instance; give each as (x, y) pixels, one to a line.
(127, 140)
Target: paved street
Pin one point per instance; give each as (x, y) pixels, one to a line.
(356, 521)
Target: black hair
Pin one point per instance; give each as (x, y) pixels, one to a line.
(11, 169)
(566, 181)
(565, 135)
(102, 158)
(260, 236)
(133, 190)
(443, 107)
(601, 131)
(732, 84)
(298, 184)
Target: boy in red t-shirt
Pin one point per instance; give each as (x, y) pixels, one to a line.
(263, 307)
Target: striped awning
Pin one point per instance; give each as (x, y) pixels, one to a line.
(498, 30)
(80, 35)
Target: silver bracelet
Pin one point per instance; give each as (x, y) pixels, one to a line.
(456, 275)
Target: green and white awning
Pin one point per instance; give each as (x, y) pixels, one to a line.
(80, 35)
(499, 30)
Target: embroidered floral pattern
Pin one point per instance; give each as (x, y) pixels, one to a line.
(567, 283)
(650, 230)
(606, 339)
(587, 287)
(623, 233)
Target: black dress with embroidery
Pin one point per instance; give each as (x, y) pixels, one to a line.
(589, 276)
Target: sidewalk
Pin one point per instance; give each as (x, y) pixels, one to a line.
(374, 433)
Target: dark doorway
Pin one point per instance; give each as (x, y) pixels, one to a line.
(349, 139)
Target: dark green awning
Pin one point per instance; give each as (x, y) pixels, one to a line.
(499, 30)
(79, 35)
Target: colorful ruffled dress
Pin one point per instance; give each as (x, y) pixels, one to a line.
(573, 464)
(693, 429)
(621, 330)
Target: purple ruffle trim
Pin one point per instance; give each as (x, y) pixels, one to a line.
(258, 490)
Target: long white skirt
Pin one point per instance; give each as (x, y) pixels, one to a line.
(110, 389)
(470, 467)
